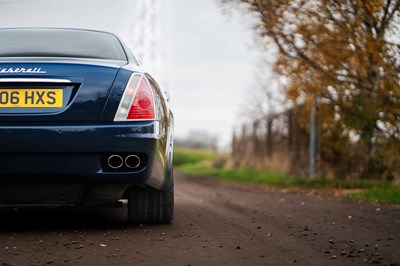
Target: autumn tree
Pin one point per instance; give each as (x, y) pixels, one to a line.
(346, 55)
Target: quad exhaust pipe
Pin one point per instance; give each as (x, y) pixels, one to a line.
(116, 161)
(132, 161)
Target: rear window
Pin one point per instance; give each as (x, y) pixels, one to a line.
(60, 43)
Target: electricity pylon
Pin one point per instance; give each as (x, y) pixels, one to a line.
(145, 35)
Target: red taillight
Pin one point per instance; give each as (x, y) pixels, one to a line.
(142, 107)
(137, 103)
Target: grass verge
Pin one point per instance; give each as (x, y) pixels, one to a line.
(200, 163)
(388, 194)
(185, 156)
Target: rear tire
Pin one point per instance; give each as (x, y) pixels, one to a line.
(151, 207)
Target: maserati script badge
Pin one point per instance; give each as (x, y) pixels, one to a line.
(35, 70)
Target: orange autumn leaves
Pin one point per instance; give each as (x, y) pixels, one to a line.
(345, 53)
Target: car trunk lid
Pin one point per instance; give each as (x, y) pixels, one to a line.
(55, 90)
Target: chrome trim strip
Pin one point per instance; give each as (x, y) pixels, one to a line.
(14, 80)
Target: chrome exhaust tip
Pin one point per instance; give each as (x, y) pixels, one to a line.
(132, 161)
(115, 161)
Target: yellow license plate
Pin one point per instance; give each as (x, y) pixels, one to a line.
(31, 98)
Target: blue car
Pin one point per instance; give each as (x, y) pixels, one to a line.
(81, 124)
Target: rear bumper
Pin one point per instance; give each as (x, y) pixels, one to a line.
(62, 159)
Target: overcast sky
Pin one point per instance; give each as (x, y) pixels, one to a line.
(208, 58)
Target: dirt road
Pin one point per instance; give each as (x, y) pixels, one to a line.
(215, 224)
